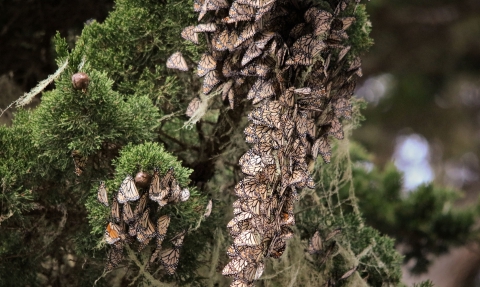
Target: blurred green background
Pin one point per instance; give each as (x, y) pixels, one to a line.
(421, 81)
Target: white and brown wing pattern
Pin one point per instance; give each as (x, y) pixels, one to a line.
(176, 61)
(293, 61)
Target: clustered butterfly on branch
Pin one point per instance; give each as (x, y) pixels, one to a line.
(161, 190)
(289, 58)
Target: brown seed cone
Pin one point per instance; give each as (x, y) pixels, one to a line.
(80, 81)
(142, 179)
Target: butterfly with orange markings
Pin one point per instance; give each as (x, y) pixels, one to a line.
(113, 233)
(176, 61)
(128, 190)
(169, 259)
(189, 34)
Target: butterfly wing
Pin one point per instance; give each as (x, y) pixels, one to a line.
(112, 233)
(176, 61)
(128, 191)
(169, 259)
(102, 194)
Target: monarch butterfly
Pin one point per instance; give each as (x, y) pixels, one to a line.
(162, 225)
(233, 251)
(336, 129)
(254, 3)
(189, 34)
(184, 195)
(115, 256)
(128, 191)
(342, 5)
(343, 52)
(145, 229)
(237, 210)
(234, 230)
(176, 61)
(342, 108)
(250, 187)
(298, 150)
(112, 233)
(250, 253)
(102, 194)
(207, 63)
(299, 177)
(252, 204)
(115, 211)
(177, 240)
(263, 67)
(127, 213)
(255, 89)
(220, 41)
(287, 98)
(278, 249)
(217, 4)
(270, 205)
(210, 27)
(301, 125)
(226, 88)
(315, 244)
(237, 282)
(156, 192)
(193, 107)
(197, 5)
(239, 12)
(335, 37)
(248, 238)
(287, 218)
(355, 64)
(140, 206)
(165, 182)
(208, 209)
(263, 39)
(248, 32)
(297, 31)
(257, 133)
(169, 259)
(267, 6)
(249, 70)
(175, 192)
(234, 267)
(253, 271)
(314, 15)
(251, 163)
(79, 162)
(245, 215)
(155, 255)
(232, 39)
(227, 68)
(211, 80)
(270, 114)
(321, 27)
(267, 90)
(252, 52)
(347, 22)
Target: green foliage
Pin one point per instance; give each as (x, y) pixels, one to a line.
(425, 219)
(360, 40)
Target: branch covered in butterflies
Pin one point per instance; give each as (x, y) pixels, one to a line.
(289, 58)
(161, 191)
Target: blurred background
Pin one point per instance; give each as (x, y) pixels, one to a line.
(421, 82)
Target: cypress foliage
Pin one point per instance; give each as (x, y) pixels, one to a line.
(131, 118)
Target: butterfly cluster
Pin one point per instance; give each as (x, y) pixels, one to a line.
(132, 217)
(289, 58)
